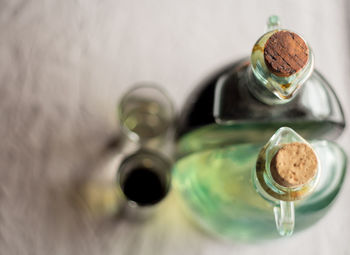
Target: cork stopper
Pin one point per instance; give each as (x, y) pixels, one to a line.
(294, 164)
(285, 53)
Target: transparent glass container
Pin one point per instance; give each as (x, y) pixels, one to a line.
(245, 102)
(146, 115)
(229, 191)
(222, 128)
(143, 175)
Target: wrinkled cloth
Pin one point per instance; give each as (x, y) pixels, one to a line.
(63, 67)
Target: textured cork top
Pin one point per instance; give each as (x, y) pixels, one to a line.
(294, 164)
(285, 53)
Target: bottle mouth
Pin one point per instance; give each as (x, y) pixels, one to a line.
(285, 53)
(144, 178)
(293, 165)
(274, 171)
(282, 61)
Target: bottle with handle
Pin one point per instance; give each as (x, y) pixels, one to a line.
(287, 170)
(253, 192)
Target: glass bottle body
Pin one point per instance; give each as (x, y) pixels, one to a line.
(220, 189)
(224, 111)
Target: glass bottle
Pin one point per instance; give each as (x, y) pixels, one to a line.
(249, 99)
(146, 115)
(143, 179)
(235, 192)
(133, 174)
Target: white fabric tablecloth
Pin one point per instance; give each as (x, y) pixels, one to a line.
(64, 65)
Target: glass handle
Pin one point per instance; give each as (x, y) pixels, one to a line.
(273, 23)
(284, 217)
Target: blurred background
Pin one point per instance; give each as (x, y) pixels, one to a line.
(63, 67)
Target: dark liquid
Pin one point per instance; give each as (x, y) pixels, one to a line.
(240, 106)
(144, 186)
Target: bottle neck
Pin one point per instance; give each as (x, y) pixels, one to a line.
(281, 197)
(268, 85)
(287, 167)
(262, 89)
(269, 189)
(261, 92)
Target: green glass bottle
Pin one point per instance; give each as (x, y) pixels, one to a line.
(230, 191)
